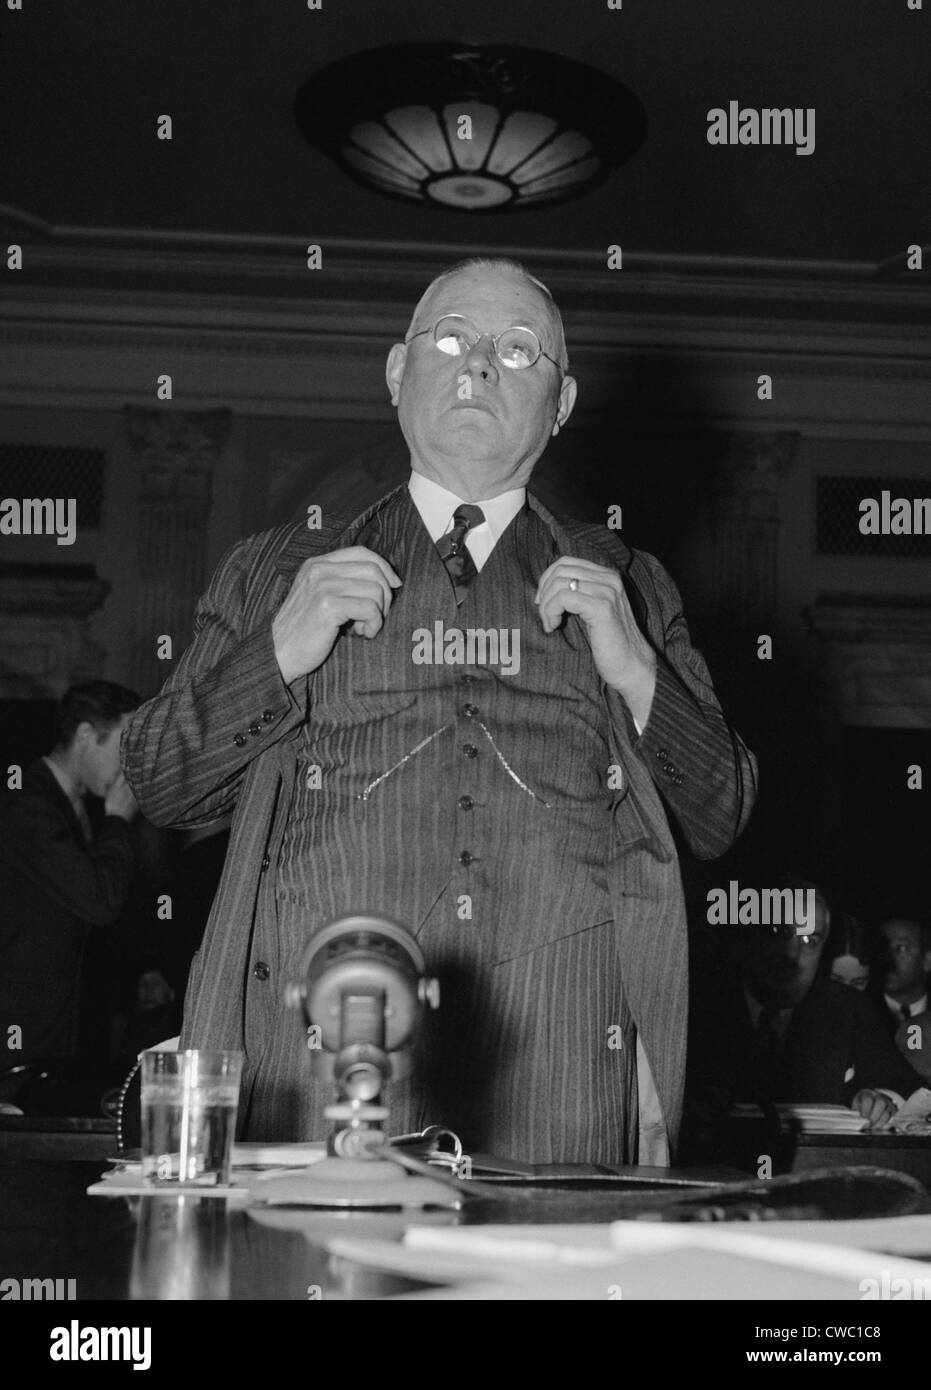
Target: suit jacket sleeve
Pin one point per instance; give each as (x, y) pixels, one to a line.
(186, 751)
(90, 883)
(877, 1060)
(700, 765)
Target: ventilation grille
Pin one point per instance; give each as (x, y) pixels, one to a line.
(28, 470)
(838, 515)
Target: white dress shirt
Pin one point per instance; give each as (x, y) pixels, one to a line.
(436, 505)
(919, 1006)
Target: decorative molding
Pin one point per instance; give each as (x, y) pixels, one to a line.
(72, 590)
(177, 451)
(875, 660)
(745, 527)
(162, 250)
(870, 620)
(47, 644)
(752, 471)
(793, 355)
(179, 447)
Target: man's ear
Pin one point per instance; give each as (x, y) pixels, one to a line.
(394, 370)
(567, 394)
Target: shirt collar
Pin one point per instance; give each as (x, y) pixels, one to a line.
(436, 505)
(919, 1006)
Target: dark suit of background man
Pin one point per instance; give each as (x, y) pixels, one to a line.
(902, 968)
(773, 1028)
(472, 803)
(57, 878)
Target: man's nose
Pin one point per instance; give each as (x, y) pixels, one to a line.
(483, 358)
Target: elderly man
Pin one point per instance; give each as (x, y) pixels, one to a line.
(501, 795)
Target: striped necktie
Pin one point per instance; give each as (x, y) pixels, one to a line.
(454, 552)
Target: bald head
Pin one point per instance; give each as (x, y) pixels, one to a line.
(474, 424)
(496, 265)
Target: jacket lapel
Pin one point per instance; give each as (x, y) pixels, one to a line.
(52, 789)
(585, 539)
(600, 546)
(336, 531)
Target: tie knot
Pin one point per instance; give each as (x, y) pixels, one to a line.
(906, 1011)
(468, 515)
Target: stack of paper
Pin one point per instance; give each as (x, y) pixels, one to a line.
(811, 1119)
(637, 1260)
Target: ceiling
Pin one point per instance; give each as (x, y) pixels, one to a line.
(81, 88)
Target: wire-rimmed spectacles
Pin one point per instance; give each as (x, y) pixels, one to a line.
(516, 348)
(811, 940)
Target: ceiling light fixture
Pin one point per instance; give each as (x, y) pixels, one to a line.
(470, 129)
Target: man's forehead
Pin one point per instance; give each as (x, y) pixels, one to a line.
(901, 926)
(505, 296)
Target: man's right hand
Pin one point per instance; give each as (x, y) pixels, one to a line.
(119, 800)
(352, 585)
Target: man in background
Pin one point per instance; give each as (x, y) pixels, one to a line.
(776, 1030)
(903, 963)
(58, 878)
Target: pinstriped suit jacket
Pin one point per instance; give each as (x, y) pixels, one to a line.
(204, 747)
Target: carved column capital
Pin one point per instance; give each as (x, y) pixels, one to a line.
(751, 472)
(178, 440)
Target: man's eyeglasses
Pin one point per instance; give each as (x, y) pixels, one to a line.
(812, 940)
(517, 348)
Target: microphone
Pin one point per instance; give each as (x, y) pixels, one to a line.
(362, 989)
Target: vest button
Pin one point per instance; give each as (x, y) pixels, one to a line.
(466, 803)
(466, 858)
(470, 750)
(470, 711)
(468, 679)
(239, 740)
(256, 729)
(260, 970)
(265, 863)
(267, 716)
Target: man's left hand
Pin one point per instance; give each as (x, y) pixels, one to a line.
(623, 657)
(875, 1107)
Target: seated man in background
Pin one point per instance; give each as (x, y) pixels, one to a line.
(903, 963)
(57, 878)
(778, 1030)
